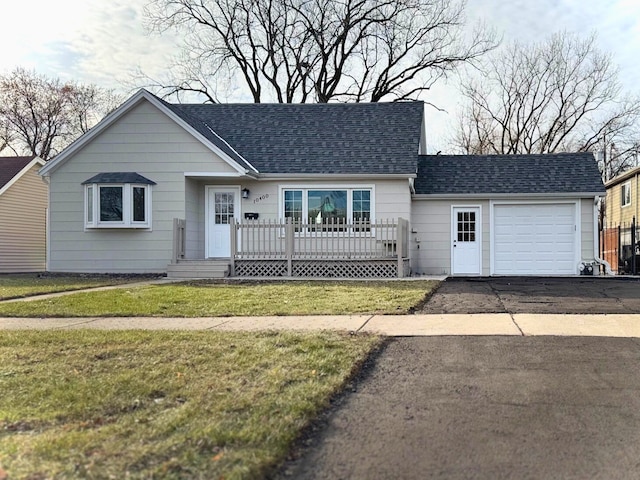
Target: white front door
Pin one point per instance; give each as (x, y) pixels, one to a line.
(222, 207)
(465, 241)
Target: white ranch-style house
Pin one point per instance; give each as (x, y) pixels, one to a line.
(313, 190)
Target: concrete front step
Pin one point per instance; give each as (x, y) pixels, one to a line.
(198, 269)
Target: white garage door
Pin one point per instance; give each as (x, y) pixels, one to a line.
(534, 239)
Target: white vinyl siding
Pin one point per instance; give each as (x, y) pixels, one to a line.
(195, 217)
(22, 224)
(587, 205)
(430, 242)
(145, 141)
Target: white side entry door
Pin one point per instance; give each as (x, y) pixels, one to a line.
(466, 241)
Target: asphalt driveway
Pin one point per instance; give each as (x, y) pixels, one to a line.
(492, 407)
(486, 408)
(536, 295)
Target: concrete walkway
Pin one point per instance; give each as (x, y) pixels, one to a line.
(605, 325)
(419, 325)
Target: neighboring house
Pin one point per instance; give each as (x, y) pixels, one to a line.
(308, 190)
(621, 204)
(621, 207)
(23, 211)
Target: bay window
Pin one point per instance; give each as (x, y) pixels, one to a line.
(118, 200)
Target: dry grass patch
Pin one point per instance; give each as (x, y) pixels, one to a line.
(88, 404)
(201, 299)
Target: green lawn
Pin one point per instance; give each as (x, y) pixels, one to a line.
(130, 404)
(204, 299)
(28, 284)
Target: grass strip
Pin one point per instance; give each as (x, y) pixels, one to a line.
(29, 284)
(215, 299)
(132, 404)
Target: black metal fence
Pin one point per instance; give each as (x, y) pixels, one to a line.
(620, 246)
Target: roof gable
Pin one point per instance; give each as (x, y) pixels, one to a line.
(235, 161)
(559, 173)
(12, 168)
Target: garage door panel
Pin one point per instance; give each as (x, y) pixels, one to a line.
(534, 239)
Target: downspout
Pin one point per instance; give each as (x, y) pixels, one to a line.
(47, 227)
(596, 239)
(636, 197)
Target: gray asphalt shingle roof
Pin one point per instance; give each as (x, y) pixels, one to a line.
(119, 177)
(356, 138)
(504, 174)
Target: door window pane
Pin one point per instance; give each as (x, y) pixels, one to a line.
(466, 226)
(224, 207)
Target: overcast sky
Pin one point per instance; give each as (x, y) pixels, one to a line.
(102, 42)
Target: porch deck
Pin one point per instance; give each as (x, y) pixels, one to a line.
(294, 249)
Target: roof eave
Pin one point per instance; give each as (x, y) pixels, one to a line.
(622, 177)
(204, 174)
(333, 176)
(453, 196)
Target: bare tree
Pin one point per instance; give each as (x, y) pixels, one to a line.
(315, 50)
(560, 95)
(40, 115)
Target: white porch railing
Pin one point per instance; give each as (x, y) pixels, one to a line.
(337, 240)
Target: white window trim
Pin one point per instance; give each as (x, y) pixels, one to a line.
(348, 187)
(626, 185)
(127, 207)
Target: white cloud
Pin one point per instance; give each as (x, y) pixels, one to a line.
(27, 26)
(91, 41)
(117, 44)
(616, 22)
